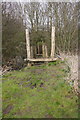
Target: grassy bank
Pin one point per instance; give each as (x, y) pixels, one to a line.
(39, 92)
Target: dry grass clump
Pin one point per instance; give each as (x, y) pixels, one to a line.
(72, 62)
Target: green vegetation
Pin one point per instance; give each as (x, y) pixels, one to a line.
(13, 42)
(39, 92)
(0, 97)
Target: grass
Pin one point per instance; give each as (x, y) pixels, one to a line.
(0, 97)
(39, 92)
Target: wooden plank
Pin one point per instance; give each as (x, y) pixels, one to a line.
(42, 60)
(39, 54)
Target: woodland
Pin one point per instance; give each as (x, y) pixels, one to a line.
(44, 89)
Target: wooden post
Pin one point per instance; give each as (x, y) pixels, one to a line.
(35, 51)
(53, 42)
(38, 48)
(27, 44)
(29, 64)
(46, 52)
(31, 51)
(43, 50)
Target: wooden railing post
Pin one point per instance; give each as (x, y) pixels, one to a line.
(46, 52)
(43, 50)
(31, 51)
(53, 42)
(28, 44)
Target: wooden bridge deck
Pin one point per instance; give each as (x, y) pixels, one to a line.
(42, 60)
